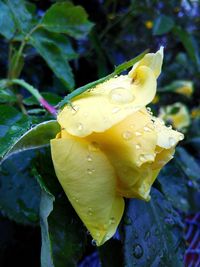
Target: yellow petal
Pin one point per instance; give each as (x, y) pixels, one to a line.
(89, 182)
(108, 103)
(152, 61)
(129, 145)
(167, 138)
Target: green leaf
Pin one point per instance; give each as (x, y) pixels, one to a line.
(7, 96)
(19, 191)
(66, 18)
(7, 24)
(189, 44)
(174, 185)
(51, 98)
(46, 207)
(13, 125)
(63, 234)
(21, 16)
(55, 56)
(163, 24)
(37, 137)
(189, 166)
(153, 233)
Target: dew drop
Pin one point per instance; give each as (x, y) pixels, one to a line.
(138, 134)
(115, 110)
(172, 141)
(181, 137)
(112, 220)
(127, 220)
(94, 146)
(169, 221)
(94, 242)
(147, 235)
(89, 158)
(127, 135)
(121, 95)
(137, 146)
(147, 129)
(80, 126)
(90, 171)
(141, 157)
(137, 251)
(90, 212)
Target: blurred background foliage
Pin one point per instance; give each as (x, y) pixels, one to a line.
(56, 52)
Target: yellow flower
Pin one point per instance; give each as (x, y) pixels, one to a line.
(149, 24)
(177, 114)
(185, 88)
(195, 113)
(111, 147)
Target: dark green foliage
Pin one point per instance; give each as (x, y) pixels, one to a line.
(58, 46)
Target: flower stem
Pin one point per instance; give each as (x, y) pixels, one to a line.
(35, 93)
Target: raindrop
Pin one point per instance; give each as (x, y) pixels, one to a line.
(94, 146)
(89, 158)
(137, 251)
(157, 232)
(127, 135)
(121, 95)
(147, 235)
(90, 171)
(90, 211)
(181, 137)
(138, 134)
(98, 234)
(137, 146)
(94, 242)
(127, 220)
(172, 141)
(80, 126)
(169, 221)
(115, 110)
(112, 220)
(141, 157)
(147, 129)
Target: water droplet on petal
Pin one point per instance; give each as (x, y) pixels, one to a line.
(181, 137)
(127, 135)
(89, 171)
(90, 211)
(172, 141)
(89, 158)
(138, 134)
(112, 220)
(147, 129)
(94, 146)
(121, 95)
(137, 251)
(137, 146)
(115, 110)
(80, 126)
(141, 157)
(98, 234)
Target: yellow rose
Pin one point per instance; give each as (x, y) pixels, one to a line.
(111, 147)
(177, 114)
